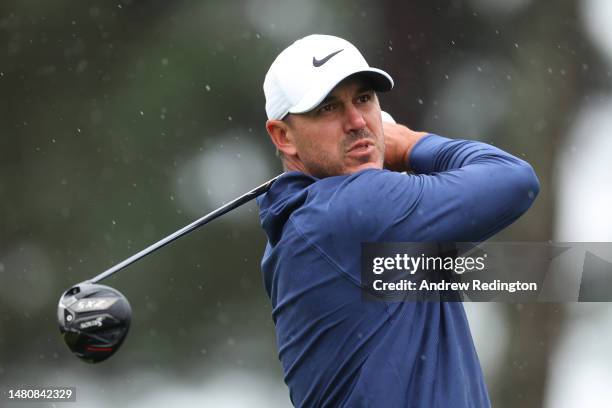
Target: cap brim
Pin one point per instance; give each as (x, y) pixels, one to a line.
(381, 81)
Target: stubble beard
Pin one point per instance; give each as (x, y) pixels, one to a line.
(379, 144)
(326, 166)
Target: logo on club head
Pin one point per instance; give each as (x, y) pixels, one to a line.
(97, 322)
(90, 305)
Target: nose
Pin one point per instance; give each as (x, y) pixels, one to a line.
(353, 119)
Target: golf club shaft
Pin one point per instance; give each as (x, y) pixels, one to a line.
(188, 228)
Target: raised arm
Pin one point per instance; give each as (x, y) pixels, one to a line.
(462, 190)
(467, 190)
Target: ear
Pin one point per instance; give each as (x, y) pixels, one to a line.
(280, 133)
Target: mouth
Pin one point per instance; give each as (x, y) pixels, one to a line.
(361, 146)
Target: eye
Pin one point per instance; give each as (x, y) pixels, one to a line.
(364, 98)
(326, 108)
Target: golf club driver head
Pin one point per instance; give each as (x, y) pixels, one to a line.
(94, 320)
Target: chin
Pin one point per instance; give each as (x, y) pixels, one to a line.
(363, 166)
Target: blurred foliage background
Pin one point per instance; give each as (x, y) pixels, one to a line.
(122, 121)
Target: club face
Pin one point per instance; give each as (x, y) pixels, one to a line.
(94, 320)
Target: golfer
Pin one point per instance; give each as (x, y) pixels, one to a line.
(345, 183)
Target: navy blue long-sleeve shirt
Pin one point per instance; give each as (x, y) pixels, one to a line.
(335, 348)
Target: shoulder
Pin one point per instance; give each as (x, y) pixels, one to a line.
(357, 202)
(372, 188)
(360, 183)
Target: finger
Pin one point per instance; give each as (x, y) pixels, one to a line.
(386, 117)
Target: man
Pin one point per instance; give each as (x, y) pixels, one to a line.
(345, 185)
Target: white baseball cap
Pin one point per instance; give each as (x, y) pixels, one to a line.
(304, 73)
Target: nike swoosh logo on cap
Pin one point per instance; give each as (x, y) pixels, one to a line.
(318, 63)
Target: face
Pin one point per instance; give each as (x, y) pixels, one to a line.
(342, 135)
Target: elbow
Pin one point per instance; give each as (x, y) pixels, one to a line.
(530, 182)
(525, 185)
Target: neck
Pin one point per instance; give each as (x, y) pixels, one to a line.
(292, 163)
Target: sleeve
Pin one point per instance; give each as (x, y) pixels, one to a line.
(464, 191)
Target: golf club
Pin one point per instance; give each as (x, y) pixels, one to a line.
(94, 319)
